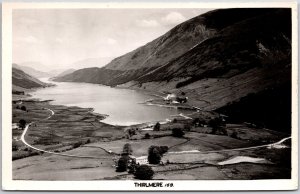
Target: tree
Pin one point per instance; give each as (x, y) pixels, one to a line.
(163, 150)
(156, 127)
(23, 108)
(22, 123)
(76, 144)
(217, 126)
(147, 136)
(132, 166)
(234, 135)
(88, 141)
(177, 132)
(144, 172)
(127, 149)
(154, 155)
(122, 164)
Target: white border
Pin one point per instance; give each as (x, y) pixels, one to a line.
(182, 185)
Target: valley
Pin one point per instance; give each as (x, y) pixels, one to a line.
(210, 99)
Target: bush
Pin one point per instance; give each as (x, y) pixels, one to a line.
(88, 141)
(122, 164)
(147, 136)
(77, 144)
(174, 120)
(23, 108)
(131, 132)
(177, 132)
(234, 135)
(22, 123)
(144, 172)
(15, 148)
(216, 123)
(187, 127)
(156, 127)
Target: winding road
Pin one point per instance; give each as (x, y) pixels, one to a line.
(108, 151)
(45, 151)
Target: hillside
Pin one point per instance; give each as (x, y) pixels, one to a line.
(22, 81)
(218, 59)
(31, 71)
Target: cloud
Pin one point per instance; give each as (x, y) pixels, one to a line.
(147, 23)
(111, 41)
(173, 18)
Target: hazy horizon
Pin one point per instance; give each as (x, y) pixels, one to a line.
(57, 39)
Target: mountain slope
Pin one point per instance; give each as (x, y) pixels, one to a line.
(222, 60)
(31, 71)
(21, 80)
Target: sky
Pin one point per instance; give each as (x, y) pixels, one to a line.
(58, 38)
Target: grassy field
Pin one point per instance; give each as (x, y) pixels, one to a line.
(79, 132)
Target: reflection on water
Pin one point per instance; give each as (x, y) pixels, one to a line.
(122, 105)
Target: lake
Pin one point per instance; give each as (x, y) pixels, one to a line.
(122, 105)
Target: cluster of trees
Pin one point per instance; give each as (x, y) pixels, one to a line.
(142, 172)
(177, 132)
(218, 126)
(131, 132)
(23, 108)
(155, 153)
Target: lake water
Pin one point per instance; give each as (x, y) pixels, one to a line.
(122, 105)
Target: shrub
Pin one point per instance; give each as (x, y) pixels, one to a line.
(88, 141)
(174, 120)
(23, 108)
(177, 132)
(131, 132)
(216, 123)
(22, 123)
(156, 127)
(187, 127)
(147, 136)
(144, 172)
(15, 148)
(77, 144)
(234, 135)
(122, 164)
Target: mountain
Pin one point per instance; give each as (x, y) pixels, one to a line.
(66, 72)
(222, 60)
(22, 81)
(31, 71)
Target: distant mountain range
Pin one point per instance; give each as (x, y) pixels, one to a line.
(223, 60)
(22, 81)
(31, 71)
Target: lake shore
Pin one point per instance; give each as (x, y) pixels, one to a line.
(79, 132)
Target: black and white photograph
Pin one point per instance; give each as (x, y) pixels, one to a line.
(149, 96)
